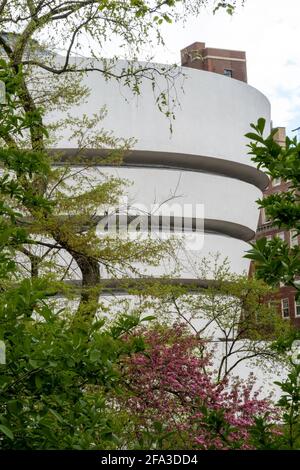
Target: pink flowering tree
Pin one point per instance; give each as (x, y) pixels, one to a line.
(176, 403)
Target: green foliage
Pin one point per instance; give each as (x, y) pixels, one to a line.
(229, 7)
(274, 260)
(230, 310)
(287, 430)
(25, 162)
(285, 341)
(55, 385)
(290, 403)
(59, 385)
(262, 434)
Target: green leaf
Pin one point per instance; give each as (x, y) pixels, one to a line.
(56, 415)
(94, 355)
(256, 137)
(38, 381)
(261, 125)
(14, 406)
(6, 431)
(148, 318)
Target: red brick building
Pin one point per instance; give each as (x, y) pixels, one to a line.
(222, 61)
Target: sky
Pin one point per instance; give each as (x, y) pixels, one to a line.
(269, 32)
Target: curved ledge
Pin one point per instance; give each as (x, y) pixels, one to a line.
(123, 286)
(230, 229)
(175, 224)
(169, 160)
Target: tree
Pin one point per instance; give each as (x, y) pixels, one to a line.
(228, 314)
(56, 383)
(54, 378)
(177, 403)
(288, 436)
(274, 260)
(32, 32)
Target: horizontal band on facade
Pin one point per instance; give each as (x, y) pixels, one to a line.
(217, 57)
(229, 229)
(174, 224)
(122, 286)
(166, 160)
(164, 223)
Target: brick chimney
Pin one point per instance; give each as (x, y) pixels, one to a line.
(222, 61)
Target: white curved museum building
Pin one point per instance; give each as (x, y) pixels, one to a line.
(201, 168)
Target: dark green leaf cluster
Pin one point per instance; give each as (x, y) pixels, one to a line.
(274, 260)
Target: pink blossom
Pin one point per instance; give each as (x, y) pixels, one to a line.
(169, 383)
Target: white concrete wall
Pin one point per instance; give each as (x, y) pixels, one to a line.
(223, 198)
(214, 114)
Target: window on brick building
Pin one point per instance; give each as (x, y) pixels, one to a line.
(285, 308)
(228, 72)
(293, 238)
(297, 308)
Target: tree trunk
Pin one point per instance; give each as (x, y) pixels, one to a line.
(89, 297)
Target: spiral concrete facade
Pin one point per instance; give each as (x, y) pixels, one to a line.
(203, 161)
